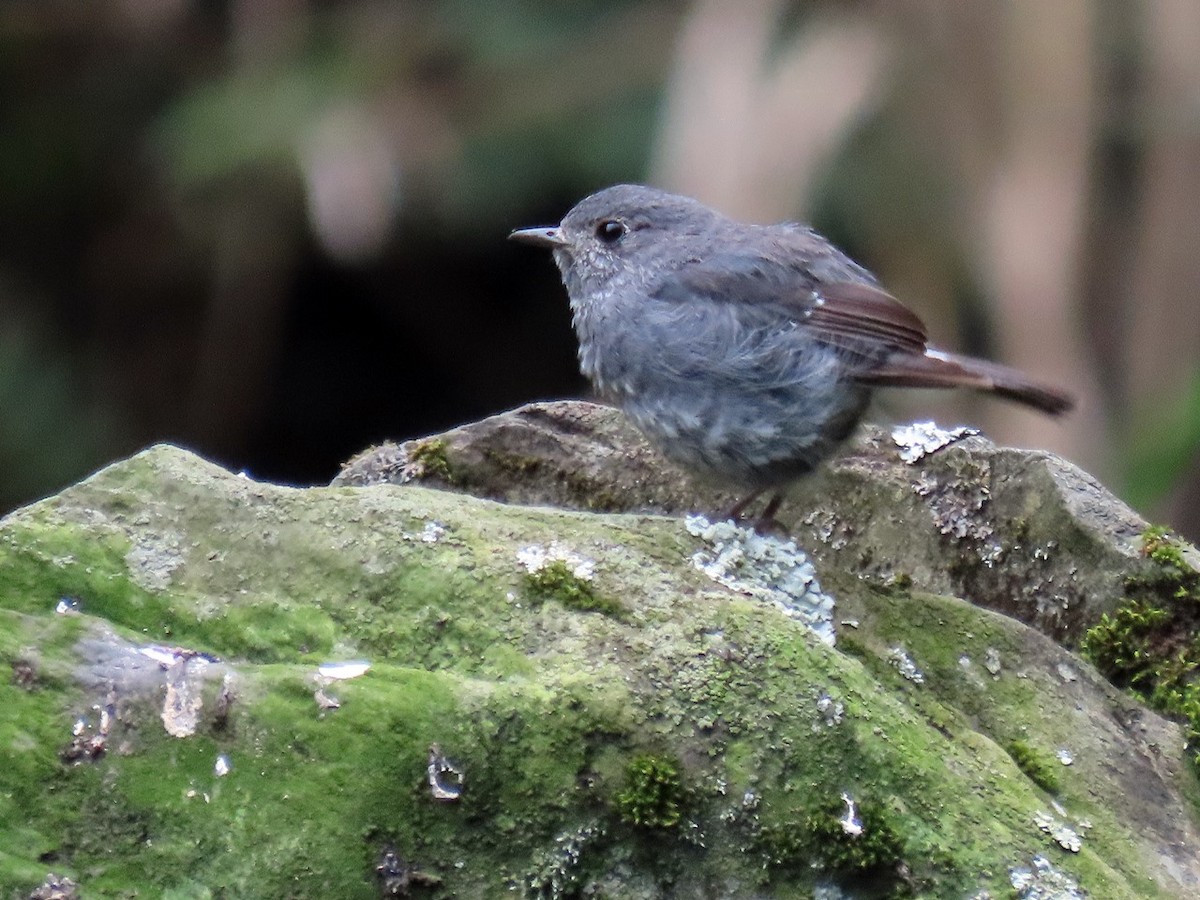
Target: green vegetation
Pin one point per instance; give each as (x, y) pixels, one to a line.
(654, 795)
(1151, 643)
(1041, 768)
(873, 844)
(429, 455)
(556, 580)
(825, 835)
(1158, 545)
(756, 727)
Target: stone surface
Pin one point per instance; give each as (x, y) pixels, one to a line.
(1022, 532)
(543, 702)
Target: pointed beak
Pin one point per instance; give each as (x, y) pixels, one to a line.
(539, 237)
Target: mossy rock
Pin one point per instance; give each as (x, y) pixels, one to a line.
(169, 731)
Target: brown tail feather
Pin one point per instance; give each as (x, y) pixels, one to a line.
(939, 369)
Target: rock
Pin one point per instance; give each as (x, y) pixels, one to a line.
(1022, 532)
(534, 701)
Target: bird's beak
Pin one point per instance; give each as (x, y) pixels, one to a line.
(539, 237)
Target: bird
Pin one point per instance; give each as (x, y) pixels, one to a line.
(746, 353)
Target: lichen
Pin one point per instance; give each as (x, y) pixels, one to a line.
(763, 566)
(557, 871)
(918, 440)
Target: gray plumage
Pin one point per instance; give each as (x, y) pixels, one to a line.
(747, 352)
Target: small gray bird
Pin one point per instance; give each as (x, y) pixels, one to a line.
(745, 352)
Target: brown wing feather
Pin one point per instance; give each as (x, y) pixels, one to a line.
(847, 309)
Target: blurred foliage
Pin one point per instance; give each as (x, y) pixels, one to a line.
(1164, 442)
(39, 392)
(273, 232)
(489, 104)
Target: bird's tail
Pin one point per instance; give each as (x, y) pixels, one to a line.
(939, 369)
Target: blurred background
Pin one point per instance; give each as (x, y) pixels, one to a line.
(273, 230)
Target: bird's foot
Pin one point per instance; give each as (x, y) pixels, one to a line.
(765, 523)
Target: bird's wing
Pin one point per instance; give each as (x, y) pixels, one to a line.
(862, 312)
(850, 313)
(835, 302)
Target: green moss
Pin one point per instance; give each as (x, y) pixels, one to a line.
(429, 455)
(1149, 643)
(653, 795)
(821, 836)
(1158, 545)
(269, 634)
(511, 462)
(1122, 644)
(557, 581)
(1039, 766)
(538, 705)
(41, 564)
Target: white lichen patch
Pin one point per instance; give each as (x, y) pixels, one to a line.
(1044, 882)
(153, 559)
(958, 501)
(919, 439)
(1066, 673)
(536, 557)
(1064, 835)
(991, 661)
(433, 532)
(850, 821)
(764, 567)
(832, 711)
(829, 528)
(899, 658)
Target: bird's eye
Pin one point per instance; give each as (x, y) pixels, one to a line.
(610, 231)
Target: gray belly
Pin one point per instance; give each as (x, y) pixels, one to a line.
(745, 398)
(749, 427)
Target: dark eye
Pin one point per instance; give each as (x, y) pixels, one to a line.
(610, 231)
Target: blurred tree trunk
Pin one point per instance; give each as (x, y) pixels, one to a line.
(255, 245)
(255, 248)
(1031, 214)
(749, 116)
(1006, 96)
(1163, 347)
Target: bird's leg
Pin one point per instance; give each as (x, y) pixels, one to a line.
(772, 506)
(767, 523)
(735, 511)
